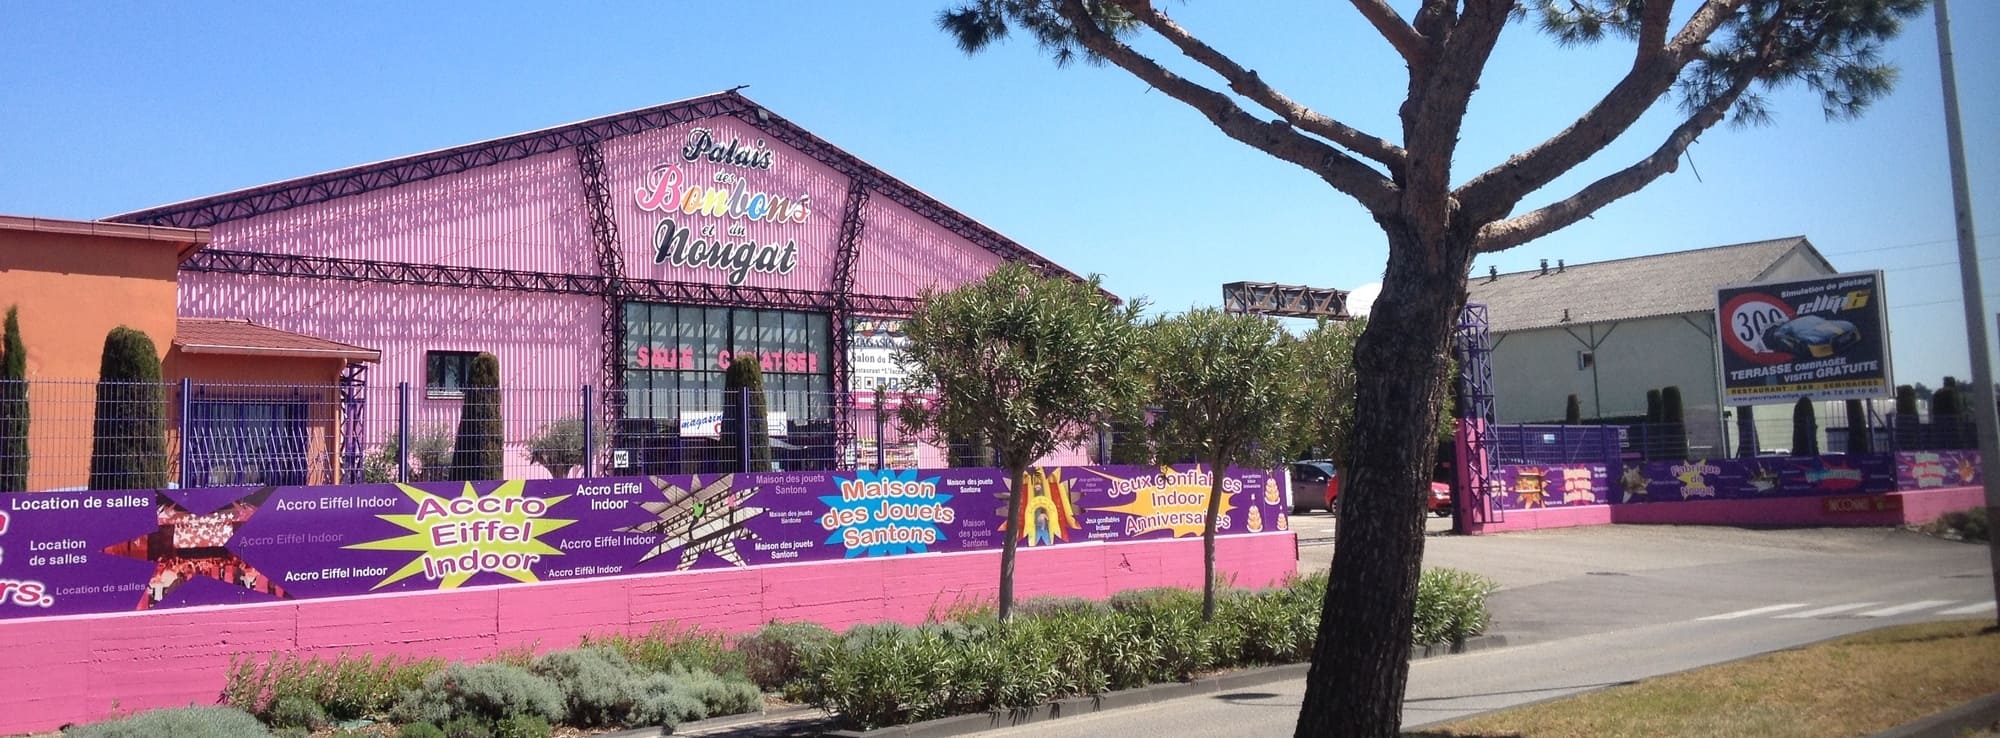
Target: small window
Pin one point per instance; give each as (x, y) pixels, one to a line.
(446, 372)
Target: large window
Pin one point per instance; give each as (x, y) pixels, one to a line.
(446, 372)
(675, 356)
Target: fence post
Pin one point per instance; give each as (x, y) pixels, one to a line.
(743, 428)
(187, 405)
(589, 435)
(403, 432)
(881, 447)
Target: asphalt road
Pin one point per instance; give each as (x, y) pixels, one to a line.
(1585, 608)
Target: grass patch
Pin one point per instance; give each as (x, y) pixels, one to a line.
(1854, 686)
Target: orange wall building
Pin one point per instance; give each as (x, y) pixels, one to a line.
(74, 281)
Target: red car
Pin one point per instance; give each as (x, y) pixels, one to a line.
(1439, 502)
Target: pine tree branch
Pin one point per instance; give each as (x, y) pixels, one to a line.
(1495, 192)
(1277, 138)
(1397, 31)
(1247, 83)
(1506, 234)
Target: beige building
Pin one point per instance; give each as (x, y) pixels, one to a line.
(1609, 331)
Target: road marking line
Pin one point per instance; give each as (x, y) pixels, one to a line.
(1754, 611)
(1828, 610)
(1968, 609)
(1903, 608)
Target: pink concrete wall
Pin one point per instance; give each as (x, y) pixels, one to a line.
(901, 254)
(90, 667)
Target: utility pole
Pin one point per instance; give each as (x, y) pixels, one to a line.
(1975, 304)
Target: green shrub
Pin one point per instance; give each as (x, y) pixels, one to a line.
(420, 730)
(467, 726)
(659, 703)
(1451, 606)
(347, 687)
(295, 711)
(1047, 606)
(208, 722)
(667, 644)
(489, 692)
(599, 686)
(558, 446)
(771, 655)
(522, 726)
(1153, 599)
(718, 695)
(1971, 524)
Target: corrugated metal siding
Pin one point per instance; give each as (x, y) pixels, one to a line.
(527, 214)
(629, 164)
(901, 254)
(544, 341)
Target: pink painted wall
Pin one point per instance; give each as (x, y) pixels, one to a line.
(90, 667)
(526, 214)
(901, 254)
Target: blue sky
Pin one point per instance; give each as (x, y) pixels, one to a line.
(112, 107)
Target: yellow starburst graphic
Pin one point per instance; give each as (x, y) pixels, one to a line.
(1170, 500)
(457, 537)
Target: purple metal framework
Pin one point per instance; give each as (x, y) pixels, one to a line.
(354, 419)
(319, 188)
(433, 275)
(611, 266)
(851, 224)
(1473, 347)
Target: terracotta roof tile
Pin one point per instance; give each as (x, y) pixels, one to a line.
(244, 338)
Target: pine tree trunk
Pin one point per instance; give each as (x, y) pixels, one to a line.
(1361, 660)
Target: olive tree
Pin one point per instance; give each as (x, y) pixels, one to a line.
(1717, 55)
(1026, 362)
(1221, 384)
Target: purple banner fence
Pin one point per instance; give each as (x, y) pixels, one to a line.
(92, 552)
(1530, 486)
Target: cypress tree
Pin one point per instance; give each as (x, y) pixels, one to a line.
(478, 453)
(1572, 411)
(1746, 432)
(1653, 436)
(1907, 423)
(128, 447)
(13, 407)
(1859, 439)
(745, 421)
(1805, 429)
(1676, 425)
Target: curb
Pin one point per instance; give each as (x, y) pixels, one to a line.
(1975, 715)
(1221, 683)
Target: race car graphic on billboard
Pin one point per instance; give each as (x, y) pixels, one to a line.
(1825, 338)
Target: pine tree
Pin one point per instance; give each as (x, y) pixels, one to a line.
(128, 447)
(744, 421)
(13, 407)
(479, 452)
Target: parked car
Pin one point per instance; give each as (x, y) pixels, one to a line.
(1315, 484)
(1439, 502)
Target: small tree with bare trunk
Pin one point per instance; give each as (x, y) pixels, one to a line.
(1716, 55)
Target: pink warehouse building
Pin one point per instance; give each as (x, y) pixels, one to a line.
(634, 254)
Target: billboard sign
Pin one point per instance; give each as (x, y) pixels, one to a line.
(1824, 338)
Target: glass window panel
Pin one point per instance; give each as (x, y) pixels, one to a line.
(635, 394)
(717, 330)
(663, 329)
(743, 330)
(635, 330)
(795, 333)
(818, 343)
(693, 332)
(770, 333)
